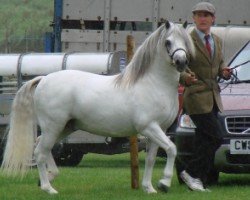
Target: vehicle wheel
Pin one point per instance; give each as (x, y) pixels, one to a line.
(1, 155)
(70, 158)
(180, 166)
(213, 177)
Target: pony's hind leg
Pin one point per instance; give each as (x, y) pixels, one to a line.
(42, 154)
(52, 169)
(149, 164)
(154, 132)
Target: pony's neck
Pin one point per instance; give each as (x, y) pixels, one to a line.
(163, 71)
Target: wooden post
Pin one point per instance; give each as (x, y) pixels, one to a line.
(133, 139)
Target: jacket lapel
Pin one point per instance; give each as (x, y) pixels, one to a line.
(200, 45)
(216, 46)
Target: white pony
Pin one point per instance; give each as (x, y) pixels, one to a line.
(143, 99)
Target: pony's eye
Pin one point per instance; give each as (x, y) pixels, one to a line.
(168, 44)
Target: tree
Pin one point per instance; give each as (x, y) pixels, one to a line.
(19, 19)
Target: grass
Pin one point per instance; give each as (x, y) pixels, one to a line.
(23, 24)
(101, 177)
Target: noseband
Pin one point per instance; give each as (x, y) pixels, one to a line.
(171, 55)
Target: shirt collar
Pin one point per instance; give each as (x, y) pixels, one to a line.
(201, 34)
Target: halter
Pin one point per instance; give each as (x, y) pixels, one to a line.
(178, 49)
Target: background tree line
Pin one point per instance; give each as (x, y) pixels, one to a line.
(23, 24)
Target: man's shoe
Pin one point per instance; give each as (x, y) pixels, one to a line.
(193, 184)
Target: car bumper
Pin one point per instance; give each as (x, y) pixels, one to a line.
(231, 163)
(224, 161)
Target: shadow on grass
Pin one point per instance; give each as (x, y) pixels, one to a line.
(114, 161)
(97, 163)
(229, 180)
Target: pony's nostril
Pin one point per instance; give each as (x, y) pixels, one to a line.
(179, 62)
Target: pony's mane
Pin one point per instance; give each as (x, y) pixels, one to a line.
(145, 53)
(141, 60)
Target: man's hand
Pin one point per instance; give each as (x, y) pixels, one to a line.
(226, 72)
(190, 79)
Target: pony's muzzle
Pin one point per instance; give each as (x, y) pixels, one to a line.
(181, 64)
(180, 60)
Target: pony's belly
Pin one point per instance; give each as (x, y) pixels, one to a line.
(113, 127)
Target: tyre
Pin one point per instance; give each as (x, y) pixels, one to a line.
(68, 158)
(212, 178)
(179, 166)
(1, 155)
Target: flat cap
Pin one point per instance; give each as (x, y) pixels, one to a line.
(204, 6)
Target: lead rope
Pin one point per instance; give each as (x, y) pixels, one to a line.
(234, 74)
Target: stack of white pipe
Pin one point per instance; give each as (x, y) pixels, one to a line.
(45, 63)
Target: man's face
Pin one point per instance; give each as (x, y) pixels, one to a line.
(203, 20)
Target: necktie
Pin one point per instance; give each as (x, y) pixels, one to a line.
(208, 46)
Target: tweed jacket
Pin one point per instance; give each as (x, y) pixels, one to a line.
(200, 97)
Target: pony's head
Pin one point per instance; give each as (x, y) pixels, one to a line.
(176, 44)
(169, 42)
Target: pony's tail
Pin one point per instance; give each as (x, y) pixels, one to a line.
(20, 139)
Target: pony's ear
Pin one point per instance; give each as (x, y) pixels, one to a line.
(185, 24)
(167, 24)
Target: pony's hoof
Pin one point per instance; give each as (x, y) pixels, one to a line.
(52, 191)
(49, 190)
(149, 190)
(162, 187)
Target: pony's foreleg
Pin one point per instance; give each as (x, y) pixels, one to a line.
(155, 133)
(149, 164)
(165, 182)
(42, 154)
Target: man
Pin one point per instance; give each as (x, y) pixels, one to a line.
(202, 99)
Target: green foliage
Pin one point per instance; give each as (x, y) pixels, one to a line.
(21, 18)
